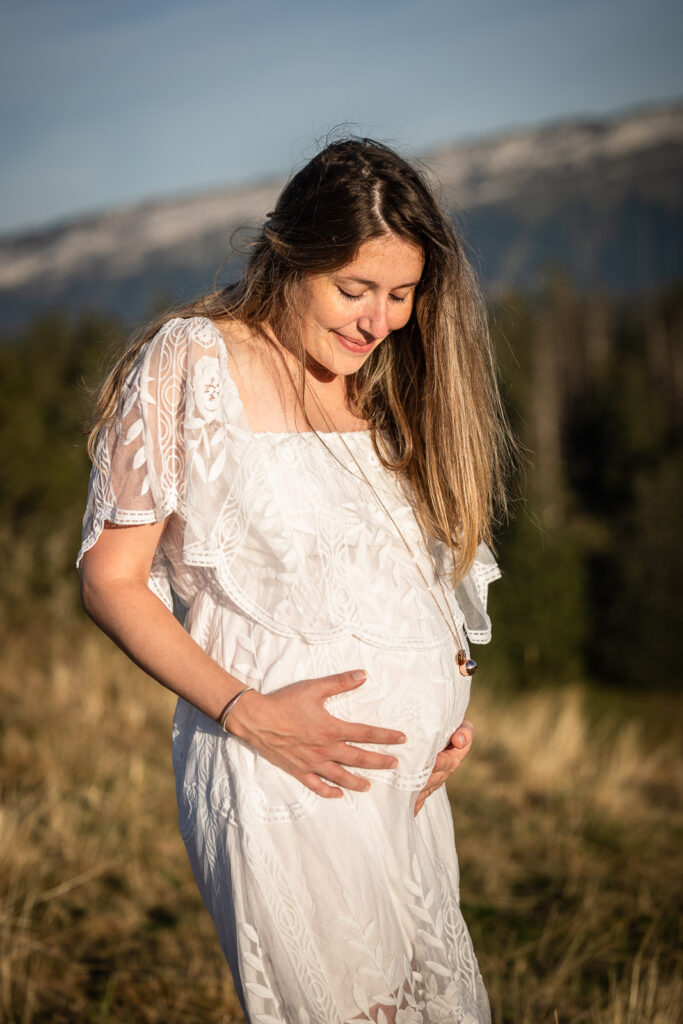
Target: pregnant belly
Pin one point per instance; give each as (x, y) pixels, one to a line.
(419, 692)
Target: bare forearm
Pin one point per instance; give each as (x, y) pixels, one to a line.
(291, 727)
(141, 625)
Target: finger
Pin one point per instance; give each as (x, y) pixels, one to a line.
(433, 783)
(463, 735)
(335, 773)
(357, 758)
(339, 683)
(451, 760)
(357, 732)
(432, 787)
(448, 760)
(443, 761)
(314, 782)
(424, 795)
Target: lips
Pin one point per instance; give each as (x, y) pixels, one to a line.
(354, 345)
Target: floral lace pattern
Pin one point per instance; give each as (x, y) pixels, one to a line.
(299, 546)
(282, 566)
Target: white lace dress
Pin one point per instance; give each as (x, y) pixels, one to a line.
(283, 566)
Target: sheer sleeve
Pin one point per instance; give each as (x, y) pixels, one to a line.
(138, 472)
(472, 595)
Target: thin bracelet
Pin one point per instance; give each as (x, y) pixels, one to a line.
(230, 705)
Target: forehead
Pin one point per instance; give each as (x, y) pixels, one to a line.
(387, 260)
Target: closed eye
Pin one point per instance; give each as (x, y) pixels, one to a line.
(351, 298)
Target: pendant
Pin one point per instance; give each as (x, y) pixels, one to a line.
(466, 665)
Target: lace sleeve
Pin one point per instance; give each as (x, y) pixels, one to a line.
(472, 595)
(138, 472)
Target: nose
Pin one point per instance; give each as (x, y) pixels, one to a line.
(374, 320)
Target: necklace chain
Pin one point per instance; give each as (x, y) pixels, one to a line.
(452, 626)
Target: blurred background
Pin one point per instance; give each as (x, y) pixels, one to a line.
(141, 142)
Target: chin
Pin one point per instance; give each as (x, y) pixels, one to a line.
(337, 360)
(347, 367)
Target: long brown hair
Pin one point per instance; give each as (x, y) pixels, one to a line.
(431, 387)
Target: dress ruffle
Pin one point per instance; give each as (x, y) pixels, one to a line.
(277, 530)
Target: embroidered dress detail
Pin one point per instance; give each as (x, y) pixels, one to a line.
(281, 569)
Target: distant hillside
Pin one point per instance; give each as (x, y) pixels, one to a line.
(600, 198)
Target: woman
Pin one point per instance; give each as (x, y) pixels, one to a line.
(293, 486)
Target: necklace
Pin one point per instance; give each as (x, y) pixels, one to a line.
(467, 666)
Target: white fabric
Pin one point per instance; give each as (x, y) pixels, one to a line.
(283, 566)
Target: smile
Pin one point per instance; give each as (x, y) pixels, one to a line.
(359, 347)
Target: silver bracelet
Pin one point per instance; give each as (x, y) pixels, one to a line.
(230, 705)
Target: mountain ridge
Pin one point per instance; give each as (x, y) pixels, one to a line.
(600, 197)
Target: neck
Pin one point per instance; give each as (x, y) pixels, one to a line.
(331, 387)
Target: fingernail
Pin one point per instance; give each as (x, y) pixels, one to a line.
(461, 741)
(402, 739)
(394, 763)
(366, 787)
(359, 675)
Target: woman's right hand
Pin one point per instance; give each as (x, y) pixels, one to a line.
(292, 729)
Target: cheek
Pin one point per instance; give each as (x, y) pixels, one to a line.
(321, 308)
(334, 313)
(400, 316)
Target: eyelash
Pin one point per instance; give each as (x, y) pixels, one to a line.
(351, 298)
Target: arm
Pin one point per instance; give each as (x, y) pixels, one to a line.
(291, 727)
(115, 595)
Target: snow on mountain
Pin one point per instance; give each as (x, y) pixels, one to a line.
(522, 192)
(122, 239)
(488, 170)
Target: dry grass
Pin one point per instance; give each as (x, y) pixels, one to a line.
(568, 822)
(568, 825)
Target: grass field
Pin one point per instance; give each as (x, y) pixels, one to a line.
(568, 827)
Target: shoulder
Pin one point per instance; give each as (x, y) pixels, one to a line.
(238, 339)
(248, 358)
(177, 349)
(181, 337)
(186, 365)
(195, 336)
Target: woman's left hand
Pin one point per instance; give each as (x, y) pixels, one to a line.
(447, 761)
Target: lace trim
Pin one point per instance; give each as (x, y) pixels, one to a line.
(120, 517)
(285, 533)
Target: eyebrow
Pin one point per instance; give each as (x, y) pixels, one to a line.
(362, 280)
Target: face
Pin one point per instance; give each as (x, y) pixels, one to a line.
(349, 312)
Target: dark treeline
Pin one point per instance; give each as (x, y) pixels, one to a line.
(591, 557)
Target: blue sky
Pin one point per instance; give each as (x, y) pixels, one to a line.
(103, 103)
